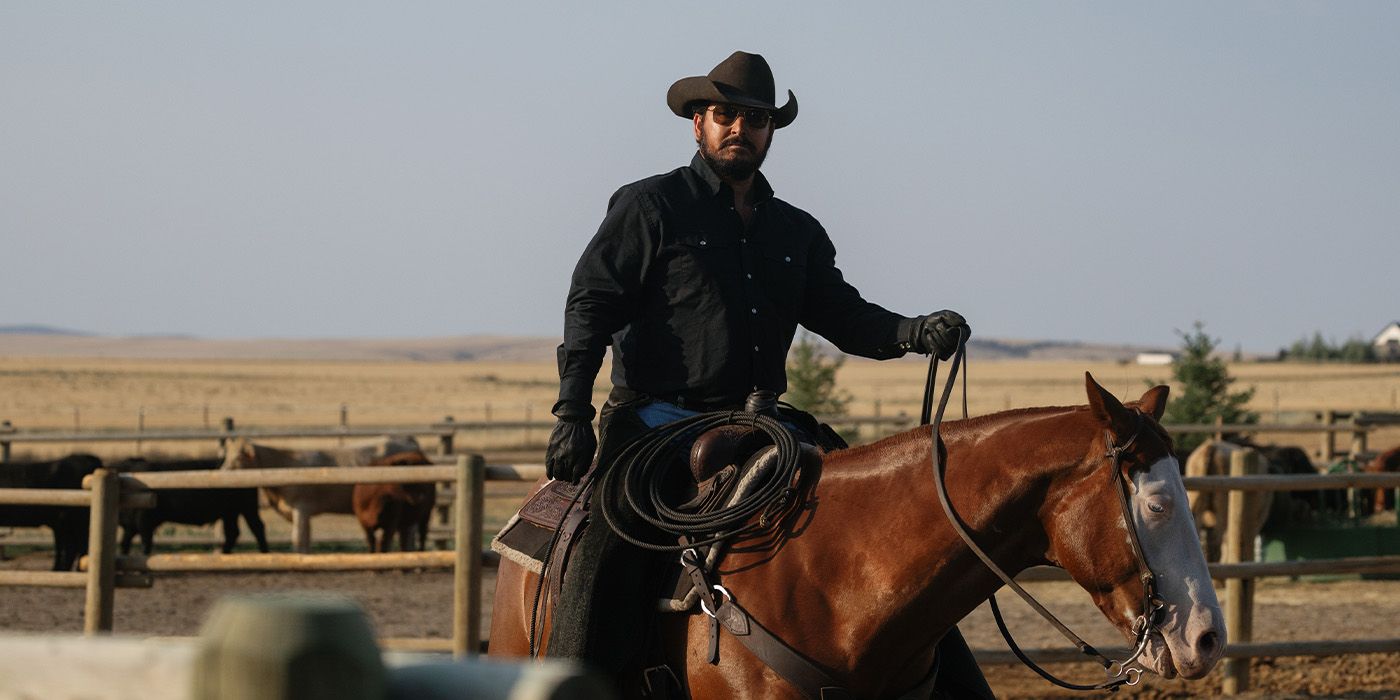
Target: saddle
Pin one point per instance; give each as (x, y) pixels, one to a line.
(723, 464)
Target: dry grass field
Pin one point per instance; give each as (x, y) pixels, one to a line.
(62, 393)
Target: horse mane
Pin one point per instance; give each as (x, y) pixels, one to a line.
(988, 422)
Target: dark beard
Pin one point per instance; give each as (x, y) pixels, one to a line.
(738, 167)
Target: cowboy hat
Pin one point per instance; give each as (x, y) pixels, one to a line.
(742, 79)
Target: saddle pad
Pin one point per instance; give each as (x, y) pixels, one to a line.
(526, 536)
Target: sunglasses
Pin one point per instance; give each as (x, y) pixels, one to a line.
(725, 115)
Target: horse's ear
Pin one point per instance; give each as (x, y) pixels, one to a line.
(1154, 402)
(1106, 407)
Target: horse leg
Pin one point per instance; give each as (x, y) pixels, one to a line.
(424, 522)
(301, 531)
(148, 535)
(255, 525)
(230, 521)
(369, 537)
(128, 534)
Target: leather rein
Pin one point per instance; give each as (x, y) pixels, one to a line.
(1150, 620)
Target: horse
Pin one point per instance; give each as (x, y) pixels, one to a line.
(1388, 461)
(299, 503)
(1211, 508)
(403, 509)
(1033, 486)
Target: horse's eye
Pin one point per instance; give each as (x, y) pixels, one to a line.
(1156, 507)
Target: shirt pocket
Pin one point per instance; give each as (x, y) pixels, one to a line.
(697, 264)
(784, 271)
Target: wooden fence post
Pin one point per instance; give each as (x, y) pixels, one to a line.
(1219, 433)
(102, 552)
(448, 435)
(286, 647)
(228, 428)
(466, 592)
(1329, 439)
(5, 427)
(1358, 440)
(1239, 592)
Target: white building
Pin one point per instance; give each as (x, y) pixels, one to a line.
(1155, 358)
(1387, 342)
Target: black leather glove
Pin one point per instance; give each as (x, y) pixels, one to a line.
(938, 333)
(571, 443)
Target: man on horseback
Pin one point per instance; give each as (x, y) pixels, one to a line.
(697, 279)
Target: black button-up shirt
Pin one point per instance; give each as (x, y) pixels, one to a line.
(697, 306)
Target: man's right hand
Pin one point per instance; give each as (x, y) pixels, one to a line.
(571, 444)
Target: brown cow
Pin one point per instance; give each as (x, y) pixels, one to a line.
(386, 509)
(298, 503)
(1211, 508)
(1388, 461)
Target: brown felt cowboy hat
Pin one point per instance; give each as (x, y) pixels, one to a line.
(742, 79)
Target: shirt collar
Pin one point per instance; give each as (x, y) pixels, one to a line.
(761, 189)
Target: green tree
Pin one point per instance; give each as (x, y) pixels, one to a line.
(1319, 350)
(1357, 350)
(812, 379)
(1204, 382)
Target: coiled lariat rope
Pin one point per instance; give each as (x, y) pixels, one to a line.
(631, 488)
(630, 491)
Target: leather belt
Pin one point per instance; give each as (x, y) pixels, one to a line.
(621, 394)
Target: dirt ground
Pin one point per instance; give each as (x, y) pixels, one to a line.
(418, 605)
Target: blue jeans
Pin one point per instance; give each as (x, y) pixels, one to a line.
(660, 413)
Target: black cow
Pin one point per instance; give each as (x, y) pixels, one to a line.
(69, 524)
(190, 507)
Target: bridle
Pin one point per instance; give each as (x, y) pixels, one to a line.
(1153, 607)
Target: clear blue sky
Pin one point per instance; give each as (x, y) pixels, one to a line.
(1105, 171)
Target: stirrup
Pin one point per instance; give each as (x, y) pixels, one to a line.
(660, 683)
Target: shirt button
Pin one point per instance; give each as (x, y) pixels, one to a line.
(743, 240)
(787, 259)
(753, 311)
(755, 348)
(748, 275)
(703, 242)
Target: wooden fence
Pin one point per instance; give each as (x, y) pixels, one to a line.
(445, 431)
(110, 491)
(1357, 424)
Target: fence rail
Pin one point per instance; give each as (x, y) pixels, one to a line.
(445, 430)
(1359, 424)
(110, 491)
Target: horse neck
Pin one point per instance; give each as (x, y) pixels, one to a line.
(999, 470)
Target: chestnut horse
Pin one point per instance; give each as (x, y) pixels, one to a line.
(1388, 461)
(876, 575)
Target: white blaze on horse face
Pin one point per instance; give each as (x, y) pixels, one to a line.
(1192, 633)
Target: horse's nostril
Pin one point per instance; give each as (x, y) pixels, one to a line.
(1208, 644)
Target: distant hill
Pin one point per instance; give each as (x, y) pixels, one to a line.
(36, 329)
(42, 341)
